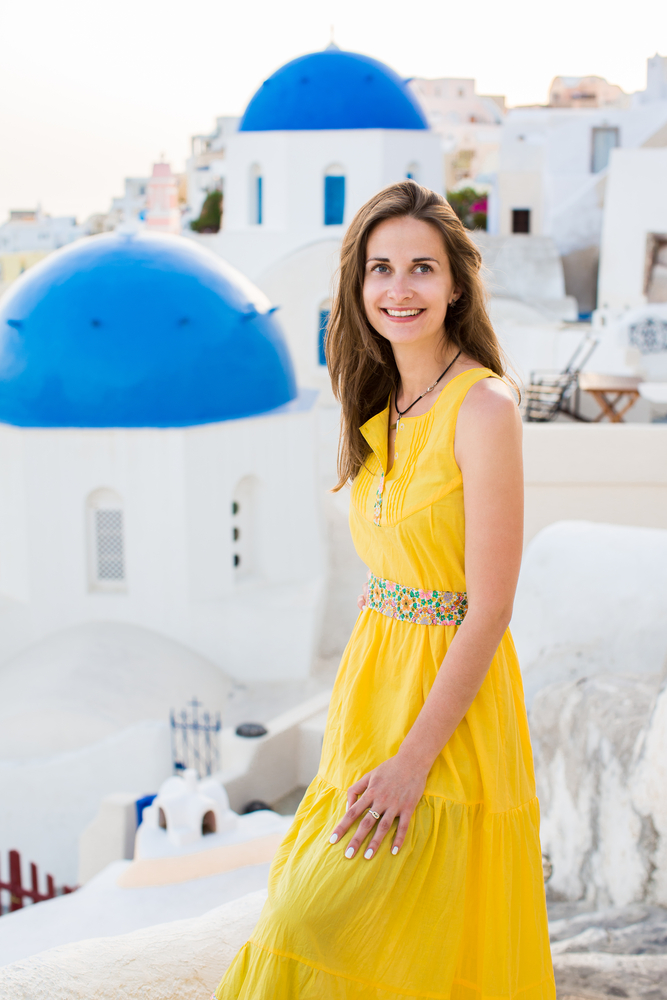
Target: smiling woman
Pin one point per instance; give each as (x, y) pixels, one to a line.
(413, 866)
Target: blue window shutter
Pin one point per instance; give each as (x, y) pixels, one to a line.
(259, 201)
(324, 323)
(334, 200)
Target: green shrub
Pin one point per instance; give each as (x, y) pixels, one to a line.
(210, 216)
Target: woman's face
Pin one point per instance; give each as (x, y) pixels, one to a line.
(408, 283)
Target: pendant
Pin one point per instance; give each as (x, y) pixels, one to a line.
(397, 422)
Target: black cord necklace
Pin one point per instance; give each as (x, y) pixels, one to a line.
(430, 389)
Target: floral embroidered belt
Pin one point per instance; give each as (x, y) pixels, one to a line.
(421, 607)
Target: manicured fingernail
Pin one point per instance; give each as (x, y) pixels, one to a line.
(349, 852)
(333, 838)
(394, 850)
(369, 854)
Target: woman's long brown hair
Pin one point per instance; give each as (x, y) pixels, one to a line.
(361, 362)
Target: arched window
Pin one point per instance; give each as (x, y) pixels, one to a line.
(334, 195)
(412, 172)
(106, 542)
(256, 192)
(243, 529)
(323, 325)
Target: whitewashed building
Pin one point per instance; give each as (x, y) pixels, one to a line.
(554, 165)
(469, 125)
(34, 230)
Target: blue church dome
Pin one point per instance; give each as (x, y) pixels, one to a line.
(333, 90)
(138, 330)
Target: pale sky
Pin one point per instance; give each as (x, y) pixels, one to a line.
(93, 91)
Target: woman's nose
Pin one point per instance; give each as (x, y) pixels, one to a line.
(400, 289)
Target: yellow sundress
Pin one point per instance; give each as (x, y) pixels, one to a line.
(459, 913)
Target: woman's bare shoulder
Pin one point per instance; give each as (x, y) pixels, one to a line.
(489, 409)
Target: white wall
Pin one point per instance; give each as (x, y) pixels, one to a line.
(299, 284)
(47, 802)
(177, 487)
(44, 233)
(545, 165)
(635, 206)
(595, 472)
(184, 958)
(590, 600)
(525, 267)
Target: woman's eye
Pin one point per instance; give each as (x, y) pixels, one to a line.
(381, 268)
(423, 268)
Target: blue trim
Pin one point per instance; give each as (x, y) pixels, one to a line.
(334, 201)
(333, 90)
(141, 804)
(259, 201)
(322, 333)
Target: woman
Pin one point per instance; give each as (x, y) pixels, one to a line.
(429, 883)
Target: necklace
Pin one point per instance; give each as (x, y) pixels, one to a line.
(430, 389)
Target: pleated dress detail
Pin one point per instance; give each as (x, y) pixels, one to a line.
(459, 913)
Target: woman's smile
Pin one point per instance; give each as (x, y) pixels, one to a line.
(401, 315)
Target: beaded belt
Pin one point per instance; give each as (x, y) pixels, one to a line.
(421, 607)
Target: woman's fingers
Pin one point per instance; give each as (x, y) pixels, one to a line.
(356, 790)
(362, 599)
(364, 828)
(403, 824)
(383, 828)
(355, 810)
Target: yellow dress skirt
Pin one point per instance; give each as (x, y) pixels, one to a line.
(459, 913)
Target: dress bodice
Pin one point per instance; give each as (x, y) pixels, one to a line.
(408, 524)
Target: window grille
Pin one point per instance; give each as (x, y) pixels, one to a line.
(110, 562)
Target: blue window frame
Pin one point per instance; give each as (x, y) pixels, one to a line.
(334, 201)
(258, 196)
(322, 334)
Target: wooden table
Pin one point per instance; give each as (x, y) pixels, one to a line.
(614, 394)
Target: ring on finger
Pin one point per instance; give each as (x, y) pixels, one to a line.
(374, 814)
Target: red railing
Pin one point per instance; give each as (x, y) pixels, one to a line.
(18, 892)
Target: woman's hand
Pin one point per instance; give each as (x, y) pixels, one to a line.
(362, 599)
(392, 790)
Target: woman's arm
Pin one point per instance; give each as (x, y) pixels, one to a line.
(488, 452)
